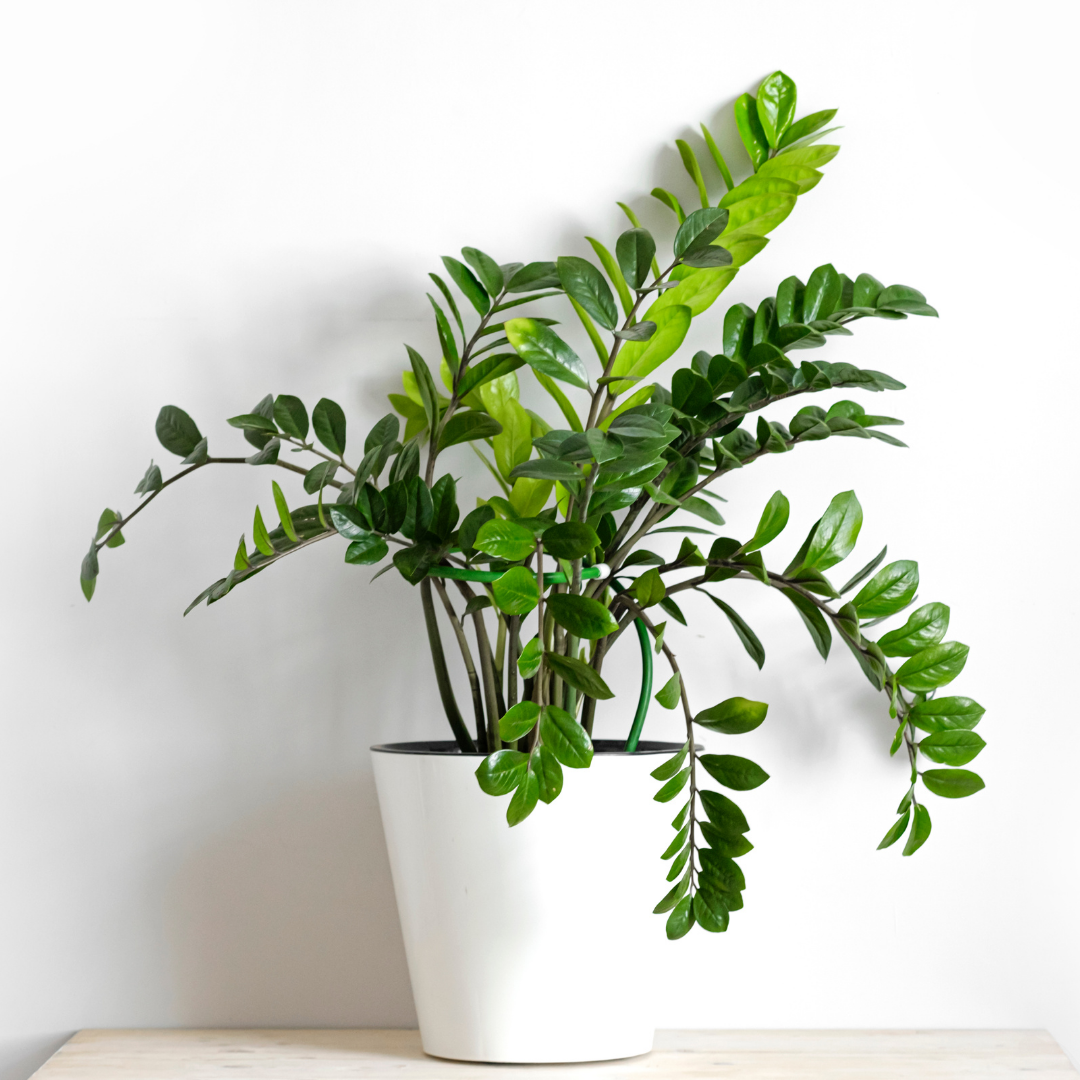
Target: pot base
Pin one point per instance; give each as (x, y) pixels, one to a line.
(533, 944)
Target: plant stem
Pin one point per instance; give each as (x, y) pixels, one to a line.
(487, 671)
(442, 675)
(470, 667)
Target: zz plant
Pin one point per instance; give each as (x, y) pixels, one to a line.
(554, 560)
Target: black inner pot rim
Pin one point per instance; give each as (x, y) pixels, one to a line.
(448, 746)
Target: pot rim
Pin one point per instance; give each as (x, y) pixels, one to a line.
(449, 748)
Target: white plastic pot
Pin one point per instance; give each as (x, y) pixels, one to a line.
(536, 943)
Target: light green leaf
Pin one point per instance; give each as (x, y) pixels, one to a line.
(516, 592)
(920, 830)
(773, 520)
(545, 765)
(926, 626)
(834, 535)
(283, 513)
(735, 716)
(668, 696)
(776, 106)
(638, 358)
(947, 714)
(750, 131)
(952, 783)
(955, 747)
(505, 540)
(530, 658)
(888, 591)
(896, 831)
(737, 773)
(525, 798)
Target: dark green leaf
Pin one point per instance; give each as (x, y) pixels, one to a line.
(896, 831)
(747, 636)
(580, 676)
(328, 422)
(710, 913)
(419, 509)
(680, 920)
(534, 275)
(699, 230)
(198, 455)
(673, 786)
(524, 801)
(920, 830)
(635, 249)
(425, 385)
(735, 716)
(834, 535)
(723, 871)
(253, 422)
(468, 426)
(888, 591)
(737, 773)
(570, 540)
(367, 551)
(545, 765)
(677, 844)
(674, 896)
(547, 469)
(268, 455)
(151, 481)
(866, 571)
(444, 510)
(641, 331)
(585, 284)
(814, 620)
(732, 846)
(773, 520)
(318, 476)
(471, 525)
(467, 283)
(934, 666)
(516, 592)
(565, 738)
(291, 416)
(413, 562)
(449, 297)
(952, 783)
(926, 626)
(545, 351)
(176, 431)
(669, 605)
(947, 714)
(670, 768)
(487, 269)
(519, 720)
(502, 771)
(724, 814)
(582, 616)
(491, 367)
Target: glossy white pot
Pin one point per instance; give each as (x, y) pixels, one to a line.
(536, 943)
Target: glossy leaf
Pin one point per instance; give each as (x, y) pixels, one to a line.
(549, 775)
(582, 616)
(866, 571)
(710, 912)
(468, 426)
(776, 106)
(750, 130)
(366, 551)
(530, 659)
(699, 230)
(898, 830)
(565, 738)
(734, 716)
(806, 126)
(570, 540)
(680, 920)
(670, 767)
(545, 351)
(585, 284)
(611, 268)
(737, 773)
(471, 526)
(487, 270)
(724, 814)
(956, 747)
(920, 830)
(834, 535)
(774, 519)
(934, 666)
(176, 431)
(505, 540)
(516, 592)
(465, 280)
(580, 676)
(749, 639)
(635, 250)
(524, 799)
(673, 786)
(519, 720)
(533, 276)
(283, 512)
(952, 783)
(641, 357)
(328, 423)
(501, 772)
(814, 620)
(947, 714)
(888, 591)
(925, 627)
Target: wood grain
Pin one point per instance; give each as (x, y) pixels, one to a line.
(379, 1054)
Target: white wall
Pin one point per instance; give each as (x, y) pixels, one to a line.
(204, 203)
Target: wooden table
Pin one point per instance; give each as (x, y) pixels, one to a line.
(293, 1054)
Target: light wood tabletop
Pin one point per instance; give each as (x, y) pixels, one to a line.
(375, 1054)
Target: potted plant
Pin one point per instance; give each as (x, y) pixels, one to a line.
(535, 585)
